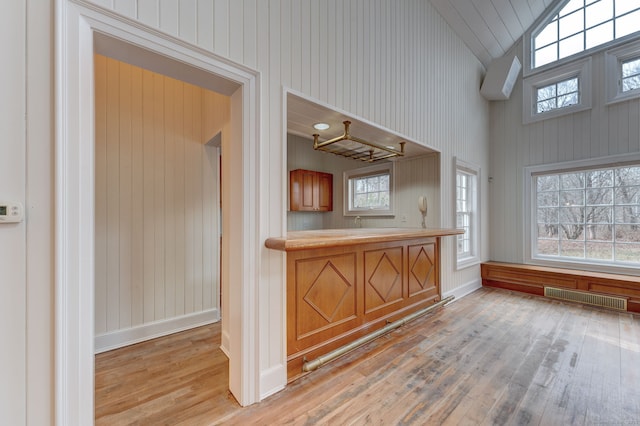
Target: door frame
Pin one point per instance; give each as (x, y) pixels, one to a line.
(76, 24)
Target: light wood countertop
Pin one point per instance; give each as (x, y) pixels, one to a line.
(322, 238)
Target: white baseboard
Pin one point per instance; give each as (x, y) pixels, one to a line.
(272, 380)
(224, 344)
(463, 290)
(129, 336)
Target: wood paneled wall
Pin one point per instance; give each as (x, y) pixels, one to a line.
(599, 132)
(157, 197)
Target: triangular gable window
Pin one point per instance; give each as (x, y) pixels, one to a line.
(580, 25)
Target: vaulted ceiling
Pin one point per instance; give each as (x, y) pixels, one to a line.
(490, 27)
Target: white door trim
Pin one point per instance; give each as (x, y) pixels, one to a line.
(76, 23)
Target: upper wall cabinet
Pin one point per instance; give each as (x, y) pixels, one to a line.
(310, 191)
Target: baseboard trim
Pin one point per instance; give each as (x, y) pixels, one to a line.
(224, 344)
(272, 380)
(463, 290)
(129, 336)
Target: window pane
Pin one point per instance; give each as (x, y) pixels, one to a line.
(628, 252)
(384, 183)
(599, 35)
(625, 6)
(572, 198)
(628, 233)
(572, 180)
(572, 24)
(599, 179)
(568, 86)
(548, 35)
(571, 45)
(547, 199)
(627, 24)
(572, 249)
(546, 92)
(546, 55)
(626, 176)
(545, 106)
(547, 183)
(548, 247)
(599, 12)
(599, 233)
(600, 251)
(599, 196)
(567, 100)
(599, 214)
(571, 6)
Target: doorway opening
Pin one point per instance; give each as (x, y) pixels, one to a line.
(83, 33)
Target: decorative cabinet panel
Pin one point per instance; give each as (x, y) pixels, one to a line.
(310, 191)
(337, 294)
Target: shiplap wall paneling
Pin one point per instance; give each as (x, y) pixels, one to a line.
(157, 196)
(602, 131)
(416, 77)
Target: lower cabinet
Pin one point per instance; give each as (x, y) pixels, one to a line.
(336, 295)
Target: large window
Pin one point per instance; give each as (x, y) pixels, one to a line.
(467, 213)
(581, 25)
(368, 191)
(587, 215)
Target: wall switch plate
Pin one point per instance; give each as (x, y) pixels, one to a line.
(11, 212)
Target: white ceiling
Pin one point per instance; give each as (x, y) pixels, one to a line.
(490, 27)
(302, 114)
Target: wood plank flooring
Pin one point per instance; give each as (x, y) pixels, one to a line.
(493, 357)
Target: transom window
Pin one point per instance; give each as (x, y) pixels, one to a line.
(581, 25)
(590, 215)
(631, 75)
(557, 95)
(369, 191)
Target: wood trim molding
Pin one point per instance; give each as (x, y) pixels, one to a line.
(129, 336)
(533, 279)
(77, 22)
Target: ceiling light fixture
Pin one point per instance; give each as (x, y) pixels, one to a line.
(321, 126)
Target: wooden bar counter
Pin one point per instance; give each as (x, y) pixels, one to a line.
(345, 283)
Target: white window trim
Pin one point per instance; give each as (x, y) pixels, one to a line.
(364, 171)
(580, 69)
(613, 72)
(529, 228)
(539, 23)
(475, 258)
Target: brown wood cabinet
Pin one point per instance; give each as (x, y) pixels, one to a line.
(310, 191)
(335, 295)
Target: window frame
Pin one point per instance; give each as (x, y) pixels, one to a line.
(540, 23)
(473, 170)
(530, 222)
(376, 169)
(613, 72)
(580, 69)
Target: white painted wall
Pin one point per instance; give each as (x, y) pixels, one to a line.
(157, 204)
(13, 236)
(397, 64)
(599, 132)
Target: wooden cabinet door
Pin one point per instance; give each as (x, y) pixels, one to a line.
(325, 192)
(310, 191)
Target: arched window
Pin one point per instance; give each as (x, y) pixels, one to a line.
(580, 25)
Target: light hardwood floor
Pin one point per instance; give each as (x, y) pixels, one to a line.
(493, 357)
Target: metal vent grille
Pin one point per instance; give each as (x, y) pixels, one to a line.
(617, 303)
